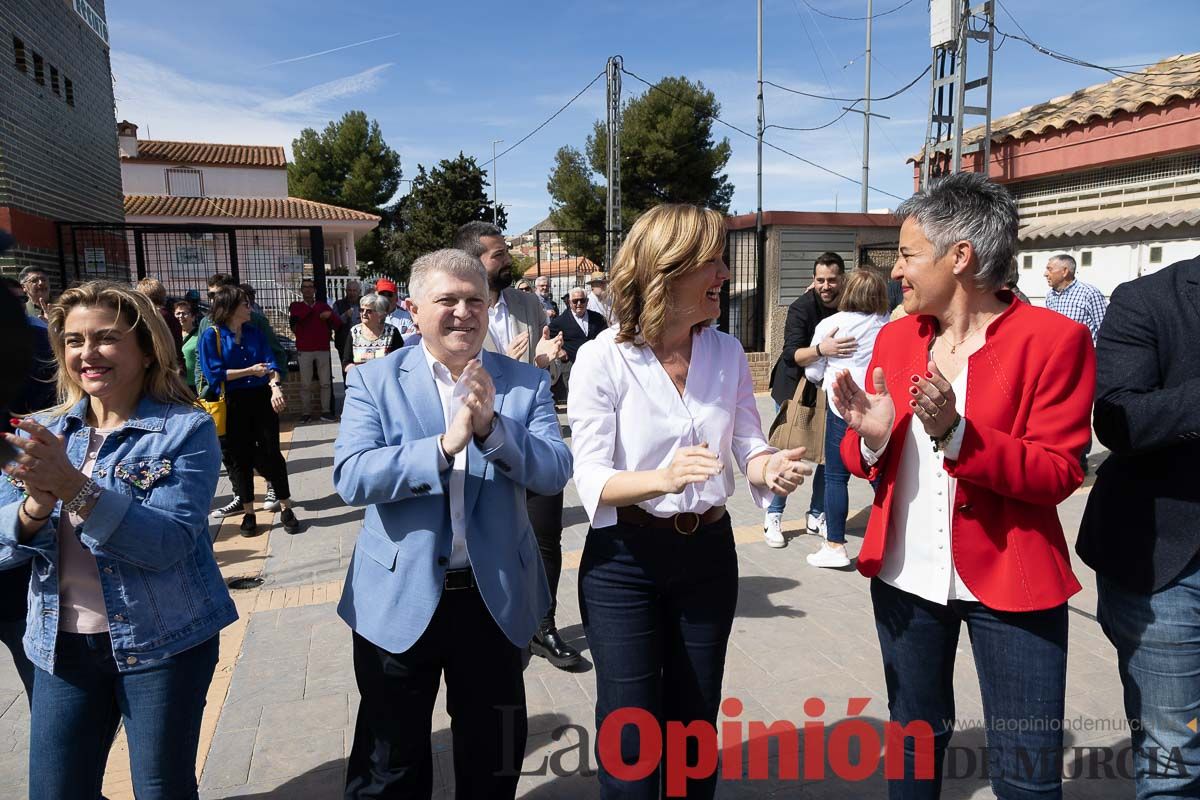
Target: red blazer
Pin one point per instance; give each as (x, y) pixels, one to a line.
(1028, 417)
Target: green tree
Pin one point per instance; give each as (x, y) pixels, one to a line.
(442, 199)
(350, 165)
(668, 155)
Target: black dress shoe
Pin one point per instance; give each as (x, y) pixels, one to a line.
(290, 523)
(550, 646)
(249, 526)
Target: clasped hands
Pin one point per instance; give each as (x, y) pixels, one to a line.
(474, 419)
(931, 399)
(43, 466)
(782, 472)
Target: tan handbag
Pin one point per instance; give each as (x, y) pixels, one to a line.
(801, 422)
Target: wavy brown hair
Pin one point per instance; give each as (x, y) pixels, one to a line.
(134, 309)
(666, 242)
(865, 291)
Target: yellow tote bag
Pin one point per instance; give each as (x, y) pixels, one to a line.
(216, 408)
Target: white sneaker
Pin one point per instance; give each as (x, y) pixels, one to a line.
(773, 530)
(234, 506)
(815, 523)
(829, 556)
(270, 502)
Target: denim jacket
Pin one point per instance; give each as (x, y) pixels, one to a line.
(163, 592)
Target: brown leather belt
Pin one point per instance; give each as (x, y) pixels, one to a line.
(686, 522)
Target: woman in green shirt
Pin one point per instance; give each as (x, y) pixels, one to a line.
(187, 322)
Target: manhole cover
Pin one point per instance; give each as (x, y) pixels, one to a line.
(244, 583)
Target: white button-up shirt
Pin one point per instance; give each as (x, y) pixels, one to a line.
(452, 393)
(626, 414)
(499, 325)
(918, 558)
(581, 321)
(864, 328)
(601, 307)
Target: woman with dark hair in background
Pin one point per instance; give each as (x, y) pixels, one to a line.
(236, 358)
(107, 499)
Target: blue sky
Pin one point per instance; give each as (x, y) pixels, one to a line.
(453, 76)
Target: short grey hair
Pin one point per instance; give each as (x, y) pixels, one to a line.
(542, 279)
(581, 289)
(376, 302)
(1067, 260)
(448, 261)
(967, 206)
(467, 237)
(32, 270)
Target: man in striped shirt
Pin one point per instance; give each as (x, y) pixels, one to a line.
(1080, 301)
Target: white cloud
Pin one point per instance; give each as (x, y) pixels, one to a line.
(170, 105)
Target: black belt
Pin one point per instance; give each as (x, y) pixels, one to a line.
(459, 579)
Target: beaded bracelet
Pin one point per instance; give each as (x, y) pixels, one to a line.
(31, 516)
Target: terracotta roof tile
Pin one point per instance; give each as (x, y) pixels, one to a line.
(145, 205)
(231, 155)
(1173, 78)
(1098, 223)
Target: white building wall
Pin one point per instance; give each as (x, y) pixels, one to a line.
(1112, 263)
(142, 178)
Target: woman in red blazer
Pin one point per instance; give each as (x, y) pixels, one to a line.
(978, 411)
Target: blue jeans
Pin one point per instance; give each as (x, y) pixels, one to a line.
(817, 504)
(1157, 637)
(657, 609)
(1021, 658)
(76, 711)
(836, 480)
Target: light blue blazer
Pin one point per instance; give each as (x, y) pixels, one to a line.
(386, 458)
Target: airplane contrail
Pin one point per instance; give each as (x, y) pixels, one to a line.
(335, 49)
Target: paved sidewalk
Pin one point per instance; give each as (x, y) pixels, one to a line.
(285, 725)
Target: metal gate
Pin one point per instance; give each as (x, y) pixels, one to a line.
(742, 300)
(567, 258)
(272, 259)
(879, 257)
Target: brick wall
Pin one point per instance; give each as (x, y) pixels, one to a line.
(760, 369)
(57, 161)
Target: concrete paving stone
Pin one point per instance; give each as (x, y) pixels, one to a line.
(301, 718)
(320, 784)
(228, 762)
(239, 717)
(264, 682)
(283, 758)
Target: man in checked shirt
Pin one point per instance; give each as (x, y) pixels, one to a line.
(1080, 301)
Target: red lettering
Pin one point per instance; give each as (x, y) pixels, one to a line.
(608, 744)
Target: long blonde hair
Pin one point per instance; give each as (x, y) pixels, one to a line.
(666, 242)
(162, 381)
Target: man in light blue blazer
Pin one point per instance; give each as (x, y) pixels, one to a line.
(441, 442)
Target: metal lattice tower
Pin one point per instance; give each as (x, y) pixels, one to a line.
(954, 24)
(612, 218)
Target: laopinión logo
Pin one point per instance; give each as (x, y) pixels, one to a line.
(851, 749)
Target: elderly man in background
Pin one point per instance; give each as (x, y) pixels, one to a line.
(36, 285)
(312, 321)
(1075, 300)
(542, 290)
(154, 290)
(579, 325)
(438, 442)
(598, 300)
(346, 307)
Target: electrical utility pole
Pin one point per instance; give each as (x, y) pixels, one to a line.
(953, 25)
(612, 206)
(758, 217)
(866, 112)
(495, 208)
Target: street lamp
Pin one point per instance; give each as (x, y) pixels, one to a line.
(494, 207)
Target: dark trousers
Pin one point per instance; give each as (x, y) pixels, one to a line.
(252, 442)
(545, 515)
(11, 634)
(76, 711)
(391, 756)
(1021, 658)
(657, 609)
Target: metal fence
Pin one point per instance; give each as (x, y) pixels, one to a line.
(742, 298)
(272, 259)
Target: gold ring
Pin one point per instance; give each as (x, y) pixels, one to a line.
(933, 413)
(943, 403)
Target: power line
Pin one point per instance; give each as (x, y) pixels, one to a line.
(896, 93)
(747, 133)
(821, 64)
(1128, 75)
(855, 19)
(818, 127)
(550, 119)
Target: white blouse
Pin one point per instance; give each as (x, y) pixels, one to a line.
(864, 328)
(918, 557)
(626, 414)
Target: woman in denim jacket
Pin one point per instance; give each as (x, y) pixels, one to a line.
(109, 498)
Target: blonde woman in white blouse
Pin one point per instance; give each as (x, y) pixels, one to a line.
(661, 408)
